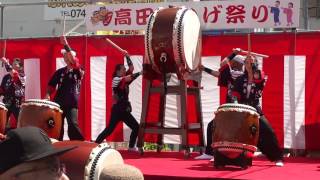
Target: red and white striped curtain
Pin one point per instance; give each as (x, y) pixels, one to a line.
(290, 100)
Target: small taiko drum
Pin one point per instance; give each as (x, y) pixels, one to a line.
(173, 41)
(88, 160)
(44, 114)
(236, 130)
(3, 117)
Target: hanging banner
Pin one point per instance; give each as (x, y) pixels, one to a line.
(212, 14)
(57, 9)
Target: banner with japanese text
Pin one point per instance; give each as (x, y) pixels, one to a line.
(60, 9)
(212, 14)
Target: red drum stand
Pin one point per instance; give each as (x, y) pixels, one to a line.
(157, 126)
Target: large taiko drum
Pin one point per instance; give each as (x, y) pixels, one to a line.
(236, 130)
(173, 41)
(3, 117)
(44, 114)
(88, 160)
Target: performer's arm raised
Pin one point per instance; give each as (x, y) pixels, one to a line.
(129, 62)
(6, 63)
(9, 67)
(14, 69)
(210, 71)
(125, 53)
(70, 54)
(227, 59)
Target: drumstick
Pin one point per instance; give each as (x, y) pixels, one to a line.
(115, 46)
(249, 45)
(64, 24)
(255, 54)
(4, 49)
(74, 28)
(250, 75)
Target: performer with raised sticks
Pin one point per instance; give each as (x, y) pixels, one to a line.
(68, 82)
(232, 66)
(121, 108)
(246, 88)
(250, 87)
(12, 87)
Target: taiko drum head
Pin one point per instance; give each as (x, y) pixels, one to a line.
(173, 41)
(88, 160)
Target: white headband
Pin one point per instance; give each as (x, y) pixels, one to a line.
(73, 53)
(240, 59)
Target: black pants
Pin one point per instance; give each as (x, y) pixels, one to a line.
(74, 133)
(268, 143)
(209, 149)
(12, 110)
(119, 113)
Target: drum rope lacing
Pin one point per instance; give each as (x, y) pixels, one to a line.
(39, 102)
(179, 36)
(235, 146)
(95, 162)
(240, 106)
(237, 108)
(148, 37)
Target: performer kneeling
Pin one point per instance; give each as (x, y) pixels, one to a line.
(247, 88)
(121, 108)
(250, 87)
(230, 68)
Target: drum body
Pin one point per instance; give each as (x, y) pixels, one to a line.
(88, 160)
(236, 130)
(173, 41)
(3, 117)
(44, 114)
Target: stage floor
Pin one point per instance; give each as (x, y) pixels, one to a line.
(172, 165)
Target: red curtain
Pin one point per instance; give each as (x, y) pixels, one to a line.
(275, 45)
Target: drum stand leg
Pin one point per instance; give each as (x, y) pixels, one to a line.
(163, 101)
(196, 92)
(145, 105)
(183, 117)
(158, 128)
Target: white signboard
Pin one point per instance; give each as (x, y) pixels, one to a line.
(57, 9)
(212, 14)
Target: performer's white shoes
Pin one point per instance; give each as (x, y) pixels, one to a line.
(258, 154)
(204, 156)
(279, 163)
(133, 149)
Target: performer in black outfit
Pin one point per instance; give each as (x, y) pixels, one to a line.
(250, 87)
(13, 88)
(233, 63)
(68, 81)
(247, 88)
(121, 108)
